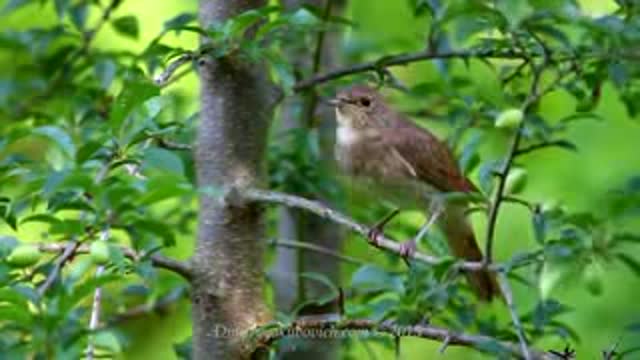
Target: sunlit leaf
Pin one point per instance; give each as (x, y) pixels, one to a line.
(127, 26)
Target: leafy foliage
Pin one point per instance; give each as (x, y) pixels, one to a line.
(85, 158)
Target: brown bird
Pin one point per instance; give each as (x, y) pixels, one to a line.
(408, 165)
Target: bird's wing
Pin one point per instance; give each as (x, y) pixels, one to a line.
(424, 157)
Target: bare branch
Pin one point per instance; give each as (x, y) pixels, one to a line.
(67, 253)
(544, 145)
(334, 327)
(163, 78)
(316, 248)
(323, 211)
(505, 288)
(94, 319)
(534, 95)
(163, 262)
(404, 59)
(170, 145)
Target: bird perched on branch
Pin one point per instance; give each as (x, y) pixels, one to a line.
(409, 166)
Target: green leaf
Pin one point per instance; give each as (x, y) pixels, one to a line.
(13, 5)
(107, 340)
(156, 228)
(164, 186)
(8, 215)
(539, 226)
(87, 151)
(61, 7)
(59, 137)
(324, 279)
(105, 70)
(87, 288)
(79, 15)
(631, 263)
(127, 26)
(7, 243)
(421, 7)
(236, 27)
(178, 21)
(43, 218)
(184, 350)
(163, 159)
(133, 94)
(372, 278)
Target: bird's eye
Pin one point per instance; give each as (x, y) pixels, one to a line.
(365, 102)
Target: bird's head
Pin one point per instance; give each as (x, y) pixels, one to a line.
(360, 107)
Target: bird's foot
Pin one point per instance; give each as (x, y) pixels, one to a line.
(408, 248)
(377, 230)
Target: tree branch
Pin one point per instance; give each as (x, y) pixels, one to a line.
(505, 288)
(179, 267)
(94, 318)
(543, 145)
(67, 253)
(534, 95)
(163, 78)
(322, 328)
(405, 59)
(316, 248)
(323, 211)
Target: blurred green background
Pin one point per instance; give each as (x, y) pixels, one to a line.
(607, 157)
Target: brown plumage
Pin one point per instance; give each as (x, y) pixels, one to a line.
(407, 164)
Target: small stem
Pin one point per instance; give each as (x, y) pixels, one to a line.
(94, 320)
(508, 298)
(316, 248)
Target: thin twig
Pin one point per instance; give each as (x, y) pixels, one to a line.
(331, 327)
(505, 288)
(67, 253)
(404, 59)
(170, 145)
(312, 100)
(179, 267)
(382, 242)
(316, 248)
(541, 145)
(163, 78)
(94, 319)
(494, 209)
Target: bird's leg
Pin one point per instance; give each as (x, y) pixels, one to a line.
(377, 229)
(409, 247)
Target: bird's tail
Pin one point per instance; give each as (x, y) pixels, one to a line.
(463, 244)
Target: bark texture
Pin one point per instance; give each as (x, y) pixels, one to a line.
(228, 283)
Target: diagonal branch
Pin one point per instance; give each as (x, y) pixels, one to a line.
(324, 211)
(323, 328)
(505, 288)
(317, 249)
(179, 267)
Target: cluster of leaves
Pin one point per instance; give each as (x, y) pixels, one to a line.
(80, 161)
(571, 52)
(83, 156)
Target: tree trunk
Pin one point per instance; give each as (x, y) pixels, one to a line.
(290, 289)
(228, 284)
